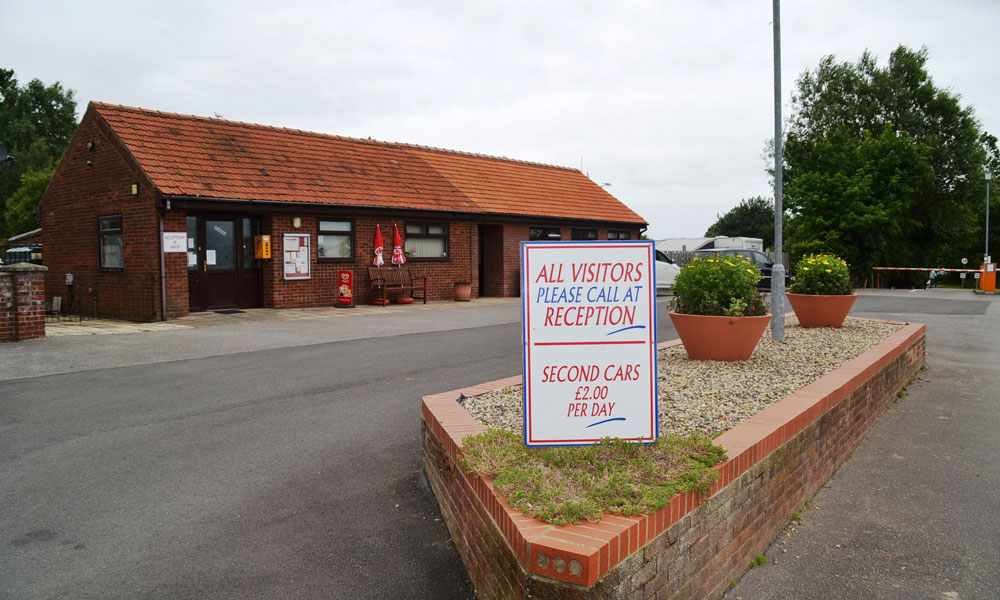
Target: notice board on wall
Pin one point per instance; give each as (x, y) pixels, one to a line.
(295, 249)
(589, 335)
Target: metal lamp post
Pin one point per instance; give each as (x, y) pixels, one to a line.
(989, 176)
(778, 271)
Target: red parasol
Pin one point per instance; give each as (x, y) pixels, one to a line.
(379, 244)
(397, 247)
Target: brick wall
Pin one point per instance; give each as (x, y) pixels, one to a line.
(91, 182)
(321, 288)
(22, 302)
(696, 546)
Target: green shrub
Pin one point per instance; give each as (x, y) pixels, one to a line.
(722, 286)
(821, 274)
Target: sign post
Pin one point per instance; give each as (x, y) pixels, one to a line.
(589, 335)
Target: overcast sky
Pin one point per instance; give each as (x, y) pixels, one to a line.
(670, 102)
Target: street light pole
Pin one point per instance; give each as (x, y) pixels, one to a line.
(989, 176)
(778, 271)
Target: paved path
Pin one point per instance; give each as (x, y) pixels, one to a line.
(915, 512)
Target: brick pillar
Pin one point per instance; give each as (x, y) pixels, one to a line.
(22, 302)
(6, 307)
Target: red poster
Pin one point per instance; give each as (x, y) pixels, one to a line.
(345, 288)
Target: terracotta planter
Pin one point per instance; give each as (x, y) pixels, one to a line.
(821, 311)
(719, 338)
(463, 291)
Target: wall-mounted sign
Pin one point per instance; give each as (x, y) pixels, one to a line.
(262, 246)
(295, 249)
(345, 288)
(174, 241)
(589, 319)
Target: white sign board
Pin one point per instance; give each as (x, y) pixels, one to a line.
(295, 249)
(174, 241)
(589, 335)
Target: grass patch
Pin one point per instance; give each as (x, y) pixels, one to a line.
(564, 485)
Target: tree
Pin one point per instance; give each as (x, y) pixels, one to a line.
(880, 164)
(752, 217)
(860, 198)
(36, 124)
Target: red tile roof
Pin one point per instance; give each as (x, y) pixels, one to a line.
(196, 156)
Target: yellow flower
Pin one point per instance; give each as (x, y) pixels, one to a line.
(829, 271)
(749, 270)
(805, 268)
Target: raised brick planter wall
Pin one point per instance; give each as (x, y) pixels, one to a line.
(696, 546)
(22, 302)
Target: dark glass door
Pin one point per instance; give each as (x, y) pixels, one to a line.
(222, 271)
(220, 285)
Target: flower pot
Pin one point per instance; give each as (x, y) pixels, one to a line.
(821, 311)
(463, 291)
(719, 338)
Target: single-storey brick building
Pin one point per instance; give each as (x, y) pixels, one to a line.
(130, 174)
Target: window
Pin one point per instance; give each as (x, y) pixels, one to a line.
(618, 235)
(540, 234)
(584, 234)
(109, 231)
(426, 240)
(335, 240)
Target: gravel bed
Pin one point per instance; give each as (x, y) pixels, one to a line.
(710, 396)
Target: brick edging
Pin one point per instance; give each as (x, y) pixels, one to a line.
(582, 554)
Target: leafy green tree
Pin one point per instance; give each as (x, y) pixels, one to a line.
(752, 217)
(21, 207)
(857, 202)
(36, 123)
(881, 166)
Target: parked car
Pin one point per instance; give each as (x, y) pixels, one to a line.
(666, 272)
(757, 257)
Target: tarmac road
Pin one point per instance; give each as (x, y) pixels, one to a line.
(283, 460)
(257, 460)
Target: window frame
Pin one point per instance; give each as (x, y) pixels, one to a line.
(351, 234)
(546, 234)
(617, 235)
(425, 235)
(101, 233)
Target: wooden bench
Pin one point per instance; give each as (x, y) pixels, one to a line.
(395, 279)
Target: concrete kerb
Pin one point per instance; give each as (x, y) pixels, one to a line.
(68, 327)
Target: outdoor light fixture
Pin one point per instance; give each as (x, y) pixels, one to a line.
(135, 189)
(90, 145)
(296, 222)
